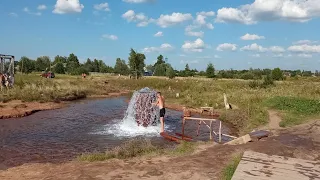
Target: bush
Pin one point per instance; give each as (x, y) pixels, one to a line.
(171, 73)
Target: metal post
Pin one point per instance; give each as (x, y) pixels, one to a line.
(220, 132)
(183, 122)
(210, 130)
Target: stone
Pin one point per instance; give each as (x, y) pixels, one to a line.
(241, 140)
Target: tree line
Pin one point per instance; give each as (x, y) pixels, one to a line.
(136, 67)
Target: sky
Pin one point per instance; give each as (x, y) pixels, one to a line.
(231, 34)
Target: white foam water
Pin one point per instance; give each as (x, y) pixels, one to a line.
(128, 126)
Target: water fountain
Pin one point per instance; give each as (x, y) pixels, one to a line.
(141, 109)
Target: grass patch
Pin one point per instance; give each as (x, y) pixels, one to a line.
(136, 148)
(229, 170)
(296, 110)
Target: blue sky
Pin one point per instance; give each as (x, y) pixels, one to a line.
(229, 33)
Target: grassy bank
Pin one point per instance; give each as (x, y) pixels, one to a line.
(230, 169)
(136, 148)
(250, 104)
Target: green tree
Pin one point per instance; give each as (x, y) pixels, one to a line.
(136, 63)
(42, 63)
(159, 61)
(121, 67)
(160, 70)
(88, 65)
(277, 74)
(59, 68)
(72, 63)
(150, 68)
(60, 59)
(187, 71)
(210, 71)
(170, 72)
(27, 65)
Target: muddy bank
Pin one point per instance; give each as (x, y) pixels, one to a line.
(17, 108)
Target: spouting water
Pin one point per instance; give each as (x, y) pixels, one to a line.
(141, 109)
(141, 117)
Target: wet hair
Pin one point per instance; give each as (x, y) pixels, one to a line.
(159, 92)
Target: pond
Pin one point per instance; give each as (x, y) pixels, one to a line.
(91, 125)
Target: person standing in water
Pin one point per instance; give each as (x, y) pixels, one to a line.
(160, 104)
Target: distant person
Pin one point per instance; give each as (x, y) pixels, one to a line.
(161, 105)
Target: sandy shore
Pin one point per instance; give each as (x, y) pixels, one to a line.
(17, 108)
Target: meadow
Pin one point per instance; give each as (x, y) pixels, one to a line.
(296, 99)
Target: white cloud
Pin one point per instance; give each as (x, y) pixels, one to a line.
(217, 57)
(26, 9)
(227, 47)
(251, 37)
(165, 21)
(305, 42)
(209, 26)
(209, 13)
(254, 47)
(277, 49)
(182, 55)
(189, 62)
(280, 55)
(162, 48)
(13, 14)
(255, 55)
(158, 34)
(138, 1)
(196, 46)
(140, 18)
(189, 31)
(112, 37)
(42, 7)
(68, 6)
(102, 7)
(303, 55)
(305, 48)
(270, 10)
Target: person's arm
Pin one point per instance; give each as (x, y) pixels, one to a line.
(156, 103)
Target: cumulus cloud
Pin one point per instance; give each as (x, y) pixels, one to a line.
(162, 48)
(271, 10)
(277, 49)
(26, 9)
(189, 31)
(167, 20)
(13, 14)
(305, 41)
(305, 48)
(140, 18)
(217, 57)
(42, 7)
(158, 34)
(254, 47)
(111, 37)
(138, 1)
(226, 47)
(250, 37)
(68, 6)
(196, 46)
(304, 55)
(102, 7)
(255, 55)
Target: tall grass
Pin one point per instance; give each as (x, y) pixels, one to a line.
(138, 147)
(194, 92)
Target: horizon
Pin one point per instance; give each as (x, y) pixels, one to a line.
(230, 35)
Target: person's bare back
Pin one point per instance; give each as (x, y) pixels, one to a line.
(160, 103)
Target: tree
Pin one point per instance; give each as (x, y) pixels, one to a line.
(27, 65)
(136, 63)
(187, 70)
(160, 70)
(150, 68)
(159, 61)
(210, 71)
(277, 74)
(59, 68)
(72, 63)
(121, 67)
(88, 65)
(170, 72)
(60, 59)
(42, 63)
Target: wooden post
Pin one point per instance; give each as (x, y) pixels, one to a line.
(183, 121)
(210, 130)
(198, 128)
(220, 132)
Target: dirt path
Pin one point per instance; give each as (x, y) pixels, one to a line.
(298, 142)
